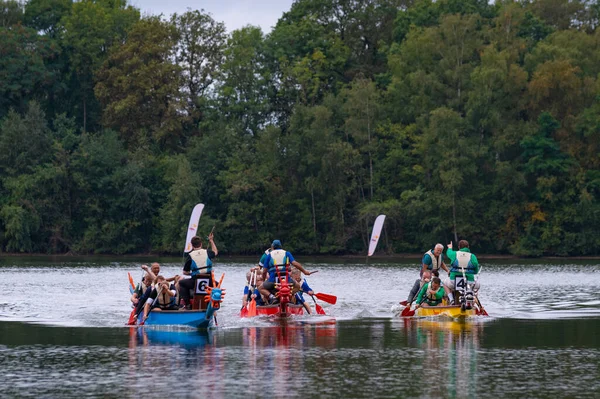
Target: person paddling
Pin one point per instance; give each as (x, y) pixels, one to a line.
(432, 294)
(298, 297)
(279, 260)
(163, 297)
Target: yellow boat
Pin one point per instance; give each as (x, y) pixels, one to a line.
(453, 311)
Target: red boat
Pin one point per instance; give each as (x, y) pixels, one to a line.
(280, 311)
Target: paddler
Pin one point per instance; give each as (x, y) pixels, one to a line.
(432, 294)
(279, 260)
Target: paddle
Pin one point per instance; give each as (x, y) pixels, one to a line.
(407, 312)
(481, 309)
(132, 285)
(317, 306)
(332, 299)
(252, 306)
(244, 311)
(132, 315)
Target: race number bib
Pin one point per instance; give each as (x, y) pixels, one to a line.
(201, 285)
(460, 283)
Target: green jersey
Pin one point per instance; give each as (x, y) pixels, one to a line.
(431, 298)
(462, 259)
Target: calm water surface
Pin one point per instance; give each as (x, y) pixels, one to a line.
(62, 334)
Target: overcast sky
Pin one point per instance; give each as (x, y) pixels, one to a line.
(234, 13)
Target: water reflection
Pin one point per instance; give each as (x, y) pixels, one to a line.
(291, 334)
(141, 336)
(450, 354)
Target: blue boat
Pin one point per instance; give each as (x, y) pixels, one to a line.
(203, 312)
(190, 318)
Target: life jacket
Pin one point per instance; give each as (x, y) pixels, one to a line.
(164, 300)
(462, 261)
(200, 261)
(279, 261)
(435, 262)
(140, 289)
(432, 297)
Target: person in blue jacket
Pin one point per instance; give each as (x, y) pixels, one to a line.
(279, 260)
(305, 288)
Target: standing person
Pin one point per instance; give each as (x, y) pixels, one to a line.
(198, 260)
(433, 260)
(461, 260)
(282, 260)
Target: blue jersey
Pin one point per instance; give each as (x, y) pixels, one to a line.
(299, 295)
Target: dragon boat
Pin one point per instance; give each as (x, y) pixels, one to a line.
(206, 301)
(284, 307)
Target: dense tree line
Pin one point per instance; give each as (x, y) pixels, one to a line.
(456, 118)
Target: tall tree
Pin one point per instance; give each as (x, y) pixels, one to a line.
(91, 28)
(138, 87)
(199, 53)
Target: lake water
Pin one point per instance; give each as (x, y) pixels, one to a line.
(62, 334)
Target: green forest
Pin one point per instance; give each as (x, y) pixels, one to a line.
(458, 119)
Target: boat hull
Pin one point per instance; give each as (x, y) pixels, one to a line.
(190, 318)
(276, 311)
(454, 311)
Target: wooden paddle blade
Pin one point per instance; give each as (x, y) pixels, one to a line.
(332, 299)
(319, 309)
(252, 308)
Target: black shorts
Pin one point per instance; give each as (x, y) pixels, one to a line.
(270, 286)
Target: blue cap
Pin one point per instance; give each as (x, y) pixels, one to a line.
(276, 244)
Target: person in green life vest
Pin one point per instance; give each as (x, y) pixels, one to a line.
(432, 294)
(461, 260)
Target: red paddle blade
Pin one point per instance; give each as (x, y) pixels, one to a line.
(404, 303)
(319, 309)
(244, 312)
(132, 318)
(332, 299)
(252, 308)
(407, 312)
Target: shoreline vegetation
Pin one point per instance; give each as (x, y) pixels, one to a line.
(467, 119)
(409, 257)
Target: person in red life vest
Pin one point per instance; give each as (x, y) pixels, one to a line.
(198, 260)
